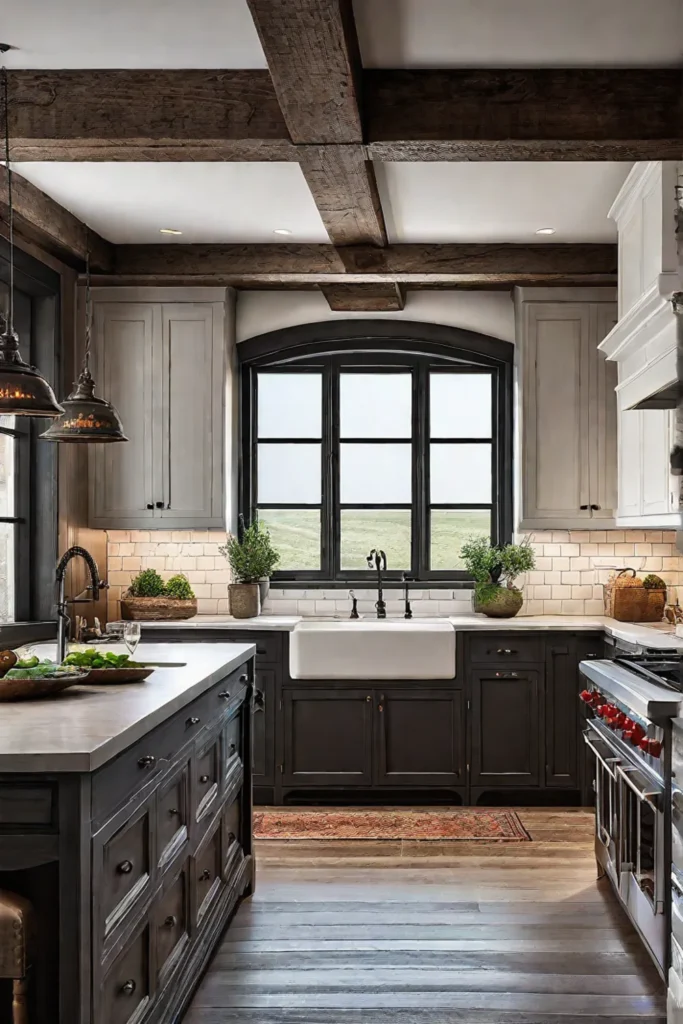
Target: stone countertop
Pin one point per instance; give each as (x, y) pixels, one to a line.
(633, 632)
(285, 623)
(83, 727)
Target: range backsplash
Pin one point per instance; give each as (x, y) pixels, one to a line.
(570, 567)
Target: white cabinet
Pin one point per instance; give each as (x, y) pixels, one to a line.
(162, 365)
(568, 409)
(648, 494)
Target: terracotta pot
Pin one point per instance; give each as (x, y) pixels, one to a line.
(245, 600)
(149, 609)
(263, 587)
(504, 603)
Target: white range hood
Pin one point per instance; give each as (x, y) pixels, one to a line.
(643, 341)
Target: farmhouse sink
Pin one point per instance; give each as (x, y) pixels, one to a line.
(372, 649)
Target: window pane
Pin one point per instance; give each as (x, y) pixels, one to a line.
(289, 473)
(375, 404)
(7, 452)
(7, 549)
(448, 531)
(295, 534)
(375, 474)
(289, 404)
(460, 473)
(365, 529)
(460, 404)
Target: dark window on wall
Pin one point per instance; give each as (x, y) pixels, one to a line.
(369, 447)
(28, 466)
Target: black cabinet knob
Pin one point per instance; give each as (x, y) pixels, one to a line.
(505, 650)
(225, 695)
(244, 678)
(584, 508)
(159, 504)
(596, 508)
(125, 867)
(231, 838)
(171, 921)
(204, 779)
(233, 748)
(205, 875)
(173, 811)
(148, 761)
(150, 505)
(128, 987)
(193, 720)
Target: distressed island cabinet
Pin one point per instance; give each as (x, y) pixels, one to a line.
(133, 841)
(568, 451)
(162, 364)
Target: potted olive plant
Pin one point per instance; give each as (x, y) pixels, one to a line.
(494, 570)
(149, 598)
(252, 560)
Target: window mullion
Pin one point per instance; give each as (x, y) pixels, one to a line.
(329, 526)
(420, 444)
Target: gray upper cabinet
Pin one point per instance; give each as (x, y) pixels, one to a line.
(568, 412)
(162, 364)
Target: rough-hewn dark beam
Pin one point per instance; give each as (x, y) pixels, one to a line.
(380, 297)
(312, 53)
(344, 188)
(146, 115)
(48, 225)
(546, 114)
(455, 265)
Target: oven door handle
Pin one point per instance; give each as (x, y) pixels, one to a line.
(606, 762)
(646, 795)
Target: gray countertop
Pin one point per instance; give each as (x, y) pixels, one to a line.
(83, 727)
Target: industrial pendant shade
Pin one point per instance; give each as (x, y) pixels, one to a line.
(23, 389)
(86, 418)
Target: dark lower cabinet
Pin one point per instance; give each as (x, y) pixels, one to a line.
(505, 725)
(327, 737)
(264, 728)
(561, 716)
(420, 740)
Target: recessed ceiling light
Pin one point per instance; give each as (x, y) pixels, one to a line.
(281, 231)
(169, 231)
(545, 231)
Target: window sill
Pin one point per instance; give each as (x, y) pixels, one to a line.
(370, 583)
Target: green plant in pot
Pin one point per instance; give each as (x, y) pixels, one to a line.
(494, 570)
(148, 597)
(252, 559)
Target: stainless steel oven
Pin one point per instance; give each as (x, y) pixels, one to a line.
(606, 785)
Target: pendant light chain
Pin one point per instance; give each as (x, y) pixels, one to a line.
(8, 168)
(88, 312)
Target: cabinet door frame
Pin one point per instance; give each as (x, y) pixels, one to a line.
(266, 681)
(291, 779)
(533, 780)
(449, 780)
(555, 683)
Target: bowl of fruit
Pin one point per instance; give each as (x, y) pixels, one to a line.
(107, 667)
(28, 678)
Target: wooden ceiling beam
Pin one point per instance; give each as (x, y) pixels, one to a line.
(467, 265)
(48, 225)
(379, 297)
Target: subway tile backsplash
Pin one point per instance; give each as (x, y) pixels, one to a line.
(570, 568)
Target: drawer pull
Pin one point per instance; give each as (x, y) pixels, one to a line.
(173, 811)
(225, 695)
(205, 875)
(128, 987)
(193, 720)
(244, 678)
(148, 761)
(204, 778)
(231, 838)
(171, 921)
(259, 700)
(233, 748)
(125, 867)
(505, 650)
(506, 675)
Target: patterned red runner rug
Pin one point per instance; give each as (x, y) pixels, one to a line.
(466, 823)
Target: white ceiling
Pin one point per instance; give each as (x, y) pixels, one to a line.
(519, 33)
(130, 34)
(502, 202)
(208, 202)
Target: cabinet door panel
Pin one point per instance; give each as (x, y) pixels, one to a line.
(121, 485)
(603, 417)
(328, 737)
(420, 737)
(654, 425)
(191, 465)
(561, 715)
(264, 729)
(630, 461)
(505, 728)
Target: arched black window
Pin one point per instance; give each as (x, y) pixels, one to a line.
(360, 434)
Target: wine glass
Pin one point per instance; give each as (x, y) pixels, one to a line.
(131, 636)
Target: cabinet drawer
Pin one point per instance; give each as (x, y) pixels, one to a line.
(206, 775)
(507, 649)
(172, 815)
(268, 645)
(172, 918)
(24, 805)
(127, 990)
(122, 869)
(207, 873)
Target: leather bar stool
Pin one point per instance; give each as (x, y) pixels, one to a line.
(15, 935)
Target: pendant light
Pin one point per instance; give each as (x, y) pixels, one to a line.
(23, 389)
(86, 418)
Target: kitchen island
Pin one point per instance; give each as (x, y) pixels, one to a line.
(125, 818)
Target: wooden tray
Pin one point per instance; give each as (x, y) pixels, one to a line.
(114, 676)
(30, 689)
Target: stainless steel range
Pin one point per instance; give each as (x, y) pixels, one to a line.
(630, 703)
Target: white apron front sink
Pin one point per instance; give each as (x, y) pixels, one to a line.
(372, 649)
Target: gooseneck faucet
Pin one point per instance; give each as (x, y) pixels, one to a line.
(378, 560)
(63, 620)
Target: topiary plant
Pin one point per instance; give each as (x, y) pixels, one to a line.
(494, 567)
(252, 558)
(147, 583)
(178, 587)
(653, 582)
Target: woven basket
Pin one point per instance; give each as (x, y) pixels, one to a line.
(150, 609)
(634, 604)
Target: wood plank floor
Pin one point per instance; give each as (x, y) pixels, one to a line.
(433, 933)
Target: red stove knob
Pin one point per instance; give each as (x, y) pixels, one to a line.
(597, 698)
(637, 733)
(644, 744)
(628, 723)
(654, 748)
(586, 696)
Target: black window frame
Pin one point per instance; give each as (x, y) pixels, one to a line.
(379, 347)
